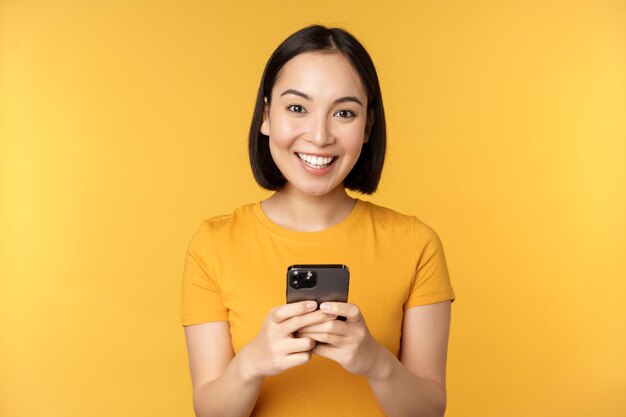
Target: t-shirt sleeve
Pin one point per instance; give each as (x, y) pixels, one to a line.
(431, 283)
(201, 296)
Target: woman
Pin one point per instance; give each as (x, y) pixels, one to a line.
(318, 128)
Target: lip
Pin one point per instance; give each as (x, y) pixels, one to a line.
(313, 171)
(321, 155)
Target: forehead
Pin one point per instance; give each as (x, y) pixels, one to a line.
(319, 74)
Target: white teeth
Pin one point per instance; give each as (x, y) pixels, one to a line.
(316, 161)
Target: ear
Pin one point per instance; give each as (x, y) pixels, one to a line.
(265, 124)
(368, 125)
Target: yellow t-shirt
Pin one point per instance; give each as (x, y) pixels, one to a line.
(236, 268)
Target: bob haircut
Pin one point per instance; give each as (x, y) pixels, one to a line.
(365, 175)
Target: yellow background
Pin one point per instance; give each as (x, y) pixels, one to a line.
(123, 124)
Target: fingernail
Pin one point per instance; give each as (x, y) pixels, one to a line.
(311, 305)
(325, 307)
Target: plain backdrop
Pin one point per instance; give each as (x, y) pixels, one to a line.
(123, 124)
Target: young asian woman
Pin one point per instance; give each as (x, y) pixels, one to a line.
(318, 129)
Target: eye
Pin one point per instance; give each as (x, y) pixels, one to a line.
(345, 114)
(295, 108)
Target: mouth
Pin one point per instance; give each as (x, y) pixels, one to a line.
(316, 162)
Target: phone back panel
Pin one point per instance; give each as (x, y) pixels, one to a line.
(332, 283)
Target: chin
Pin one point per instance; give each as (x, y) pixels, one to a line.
(314, 193)
(317, 191)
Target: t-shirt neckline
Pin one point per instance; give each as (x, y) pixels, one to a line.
(330, 233)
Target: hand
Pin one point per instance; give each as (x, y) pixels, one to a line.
(275, 348)
(348, 342)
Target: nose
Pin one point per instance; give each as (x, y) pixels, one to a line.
(320, 132)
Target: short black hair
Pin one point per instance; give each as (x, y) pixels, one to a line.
(365, 175)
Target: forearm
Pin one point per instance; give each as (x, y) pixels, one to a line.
(401, 393)
(217, 398)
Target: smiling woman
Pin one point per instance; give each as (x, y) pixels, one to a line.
(316, 123)
(318, 129)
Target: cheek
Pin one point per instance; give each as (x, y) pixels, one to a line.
(280, 156)
(283, 129)
(354, 136)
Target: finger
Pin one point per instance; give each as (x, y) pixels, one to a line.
(297, 359)
(330, 339)
(300, 344)
(326, 351)
(287, 311)
(350, 311)
(294, 324)
(336, 327)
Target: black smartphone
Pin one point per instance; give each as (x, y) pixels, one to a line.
(318, 282)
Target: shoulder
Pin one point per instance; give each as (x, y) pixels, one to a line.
(221, 226)
(385, 214)
(239, 215)
(389, 219)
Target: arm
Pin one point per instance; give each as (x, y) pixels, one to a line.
(411, 386)
(416, 385)
(218, 375)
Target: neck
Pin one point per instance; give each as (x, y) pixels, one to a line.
(301, 212)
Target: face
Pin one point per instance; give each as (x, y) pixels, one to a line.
(316, 122)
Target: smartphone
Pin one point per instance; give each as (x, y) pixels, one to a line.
(318, 282)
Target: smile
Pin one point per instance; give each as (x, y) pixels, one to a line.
(316, 162)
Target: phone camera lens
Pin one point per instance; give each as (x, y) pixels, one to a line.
(310, 280)
(294, 281)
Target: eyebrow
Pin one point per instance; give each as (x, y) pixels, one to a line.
(307, 97)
